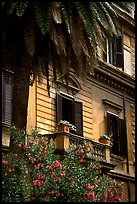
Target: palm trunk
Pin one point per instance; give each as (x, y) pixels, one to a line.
(20, 94)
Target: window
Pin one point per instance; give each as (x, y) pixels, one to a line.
(7, 88)
(70, 110)
(114, 52)
(118, 53)
(116, 128)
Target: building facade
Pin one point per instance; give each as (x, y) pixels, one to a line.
(101, 104)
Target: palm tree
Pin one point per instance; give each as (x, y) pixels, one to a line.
(61, 35)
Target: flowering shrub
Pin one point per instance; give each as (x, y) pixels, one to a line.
(33, 171)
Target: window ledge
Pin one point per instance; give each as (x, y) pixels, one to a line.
(113, 156)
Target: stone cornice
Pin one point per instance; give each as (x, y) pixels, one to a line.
(112, 76)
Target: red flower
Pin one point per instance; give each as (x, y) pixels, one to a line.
(122, 194)
(49, 167)
(52, 175)
(57, 164)
(74, 147)
(5, 162)
(20, 144)
(63, 173)
(88, 186)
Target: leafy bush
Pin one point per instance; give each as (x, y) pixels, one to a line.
(33, 171)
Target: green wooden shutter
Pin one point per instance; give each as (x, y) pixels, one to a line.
(119, 52)
(58, 108)
(78, 117)
(123, 137)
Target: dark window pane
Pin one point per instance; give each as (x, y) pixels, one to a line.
(113, 132)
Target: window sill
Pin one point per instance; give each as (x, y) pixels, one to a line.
(113, 156)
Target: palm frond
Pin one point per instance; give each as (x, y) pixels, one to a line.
(56, 11)
(67, 14)
(43, 16)
(11, 7)
(21, 7)
(108, 16)
(58, 38)
(122, 5)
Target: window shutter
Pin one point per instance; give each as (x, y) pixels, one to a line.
(58, 108)
(108, 124)
(119, 52)
(78, 117)
(123, 137)
(7, 89)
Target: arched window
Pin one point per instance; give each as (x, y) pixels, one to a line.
(67, 107)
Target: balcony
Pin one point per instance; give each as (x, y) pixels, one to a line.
(100, 151)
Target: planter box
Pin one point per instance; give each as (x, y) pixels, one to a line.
(104, 141)
(63, 128)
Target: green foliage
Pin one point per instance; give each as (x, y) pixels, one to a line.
(33, 171)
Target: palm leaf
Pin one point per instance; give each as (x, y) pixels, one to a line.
(67, 14)
(43, 16)
(56, 11)
(21, 7)
(11, 6)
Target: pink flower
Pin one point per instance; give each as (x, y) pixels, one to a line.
(81, 151)
(106, 195)
(6, 174)
(88, 186)
(96, 181)
(74, 147)
(58, 194)
(122, 194)
(57, 179)
(62, 173)
(26, 146)
(16, 155)
(57, 164)
(52, 175)
(31, 140)
(43, 176)
(20, 144)
(37, 183)
(49, 167)
(81, 160)
(5, 162)
(38, 176)
(29, 154)
(51, 192)
(10, 170)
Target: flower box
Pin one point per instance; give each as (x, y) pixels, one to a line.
(63, 128)
(105, 139)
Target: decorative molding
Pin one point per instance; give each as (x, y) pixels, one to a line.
(113, 77)
(111, 103)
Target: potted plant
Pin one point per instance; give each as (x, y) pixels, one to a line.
(105, 139)
(63, 126)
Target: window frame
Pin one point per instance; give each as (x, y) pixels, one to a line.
(120, 150)
(77, 112)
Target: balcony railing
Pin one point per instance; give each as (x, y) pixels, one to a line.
(100, 151)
